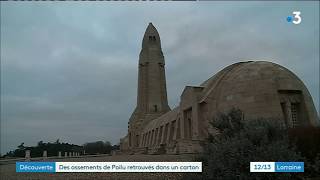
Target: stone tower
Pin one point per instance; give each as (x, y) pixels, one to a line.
(152, 99)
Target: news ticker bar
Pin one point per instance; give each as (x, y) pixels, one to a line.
(276, 166)
(53, 167)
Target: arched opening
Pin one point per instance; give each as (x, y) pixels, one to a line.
(188, 123)
(292, 108)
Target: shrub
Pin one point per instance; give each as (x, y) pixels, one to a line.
(228, 154)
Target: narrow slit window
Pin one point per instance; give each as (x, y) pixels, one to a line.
(295, 114)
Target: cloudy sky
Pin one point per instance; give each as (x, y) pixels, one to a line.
(69, 70)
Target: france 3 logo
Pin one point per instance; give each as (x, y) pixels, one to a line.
(296, 18)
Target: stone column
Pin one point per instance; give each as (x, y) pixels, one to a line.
(28, 157)
(59, 154)
(65, 154)
(140, 140)
(70, 154)
(182, 121)
(156, 136)
(144, 140)
(149, 138)
(163, 135)
(195, 121)
(169, 132)
(153, 132)
(152, 136)
(176, 128)
(45, 155)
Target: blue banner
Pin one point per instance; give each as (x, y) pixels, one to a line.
(289, 166)
(36, 167)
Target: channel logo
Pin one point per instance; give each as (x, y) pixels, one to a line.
(295, 18)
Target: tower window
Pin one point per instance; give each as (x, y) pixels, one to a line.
(155, 108)
(152, 38)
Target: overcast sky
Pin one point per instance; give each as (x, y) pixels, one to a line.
(69, 70)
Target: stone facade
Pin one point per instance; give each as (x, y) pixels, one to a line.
(152, 99)
(260, 89)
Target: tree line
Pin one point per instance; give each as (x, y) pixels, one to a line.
(53, 148)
